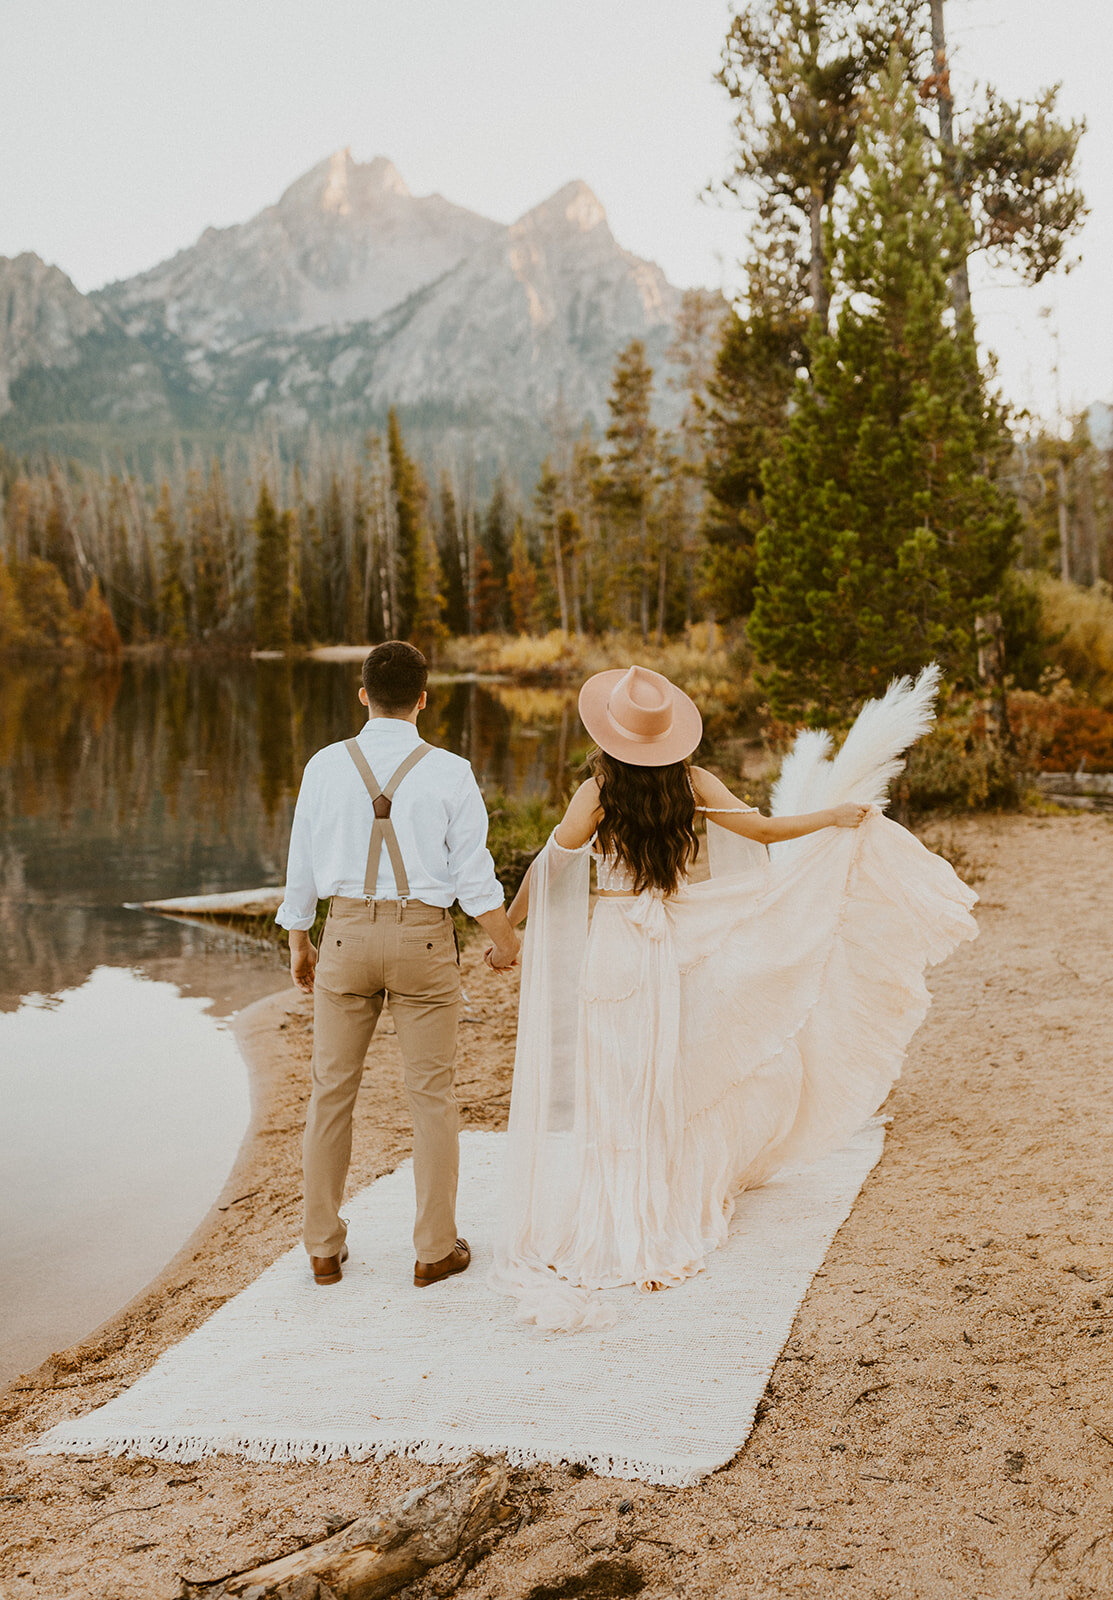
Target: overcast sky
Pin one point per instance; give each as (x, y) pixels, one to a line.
(128, 126)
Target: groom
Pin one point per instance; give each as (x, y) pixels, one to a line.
(395, 831)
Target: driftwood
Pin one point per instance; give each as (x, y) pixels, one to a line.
(378, 1555)
(239, 903)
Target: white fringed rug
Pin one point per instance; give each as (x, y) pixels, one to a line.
(370, 1367)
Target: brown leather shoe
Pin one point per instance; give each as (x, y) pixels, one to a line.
(427, 1272)
(326, 1269)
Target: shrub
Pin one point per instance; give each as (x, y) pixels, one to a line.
(516, 832)
(1056, 735)
(44, 603)
(93, 625)
(955, 769)
(13, 628)
(1078, 630)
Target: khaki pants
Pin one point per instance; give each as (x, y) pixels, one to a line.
(367, 953)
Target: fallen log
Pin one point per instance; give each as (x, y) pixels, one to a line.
(239, 903)
(375, 1556)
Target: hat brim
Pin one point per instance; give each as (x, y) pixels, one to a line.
(677, 744)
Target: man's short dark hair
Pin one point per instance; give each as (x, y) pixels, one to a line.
(394, 676)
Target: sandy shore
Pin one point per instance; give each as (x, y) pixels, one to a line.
(940, 1423)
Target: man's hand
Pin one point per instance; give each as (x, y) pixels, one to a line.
(502, 956)
(303, 960)
(502, 952)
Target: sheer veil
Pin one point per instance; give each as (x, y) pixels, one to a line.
(540, 1166)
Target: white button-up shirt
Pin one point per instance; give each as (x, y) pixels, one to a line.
(438, 815)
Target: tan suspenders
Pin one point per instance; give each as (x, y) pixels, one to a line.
(382, 829)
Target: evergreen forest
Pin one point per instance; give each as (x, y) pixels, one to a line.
(842, 495)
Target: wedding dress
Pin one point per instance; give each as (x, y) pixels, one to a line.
(676, 1050)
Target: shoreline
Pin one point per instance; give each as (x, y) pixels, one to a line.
(938, 1421)
(257, 1013)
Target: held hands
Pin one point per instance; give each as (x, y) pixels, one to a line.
(851, 813)
(502, 956)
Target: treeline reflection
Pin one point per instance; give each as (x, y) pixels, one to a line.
(155, 778)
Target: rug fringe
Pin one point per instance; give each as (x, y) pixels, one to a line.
(185, 1448)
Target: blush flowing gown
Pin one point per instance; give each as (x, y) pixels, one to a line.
(674, 1051)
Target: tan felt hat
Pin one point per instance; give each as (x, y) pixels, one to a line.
(640, 717)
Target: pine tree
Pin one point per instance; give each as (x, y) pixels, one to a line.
(1012, 173)
(887, 532)
(746, 416)
(272, 574)
(453, 561)
(411, 560)
(496, 544)
(583, 481)
(551, 525)
(700, 328)
(801, 73)
(797, 71)
(522, 583)
(490, 599)
(206, 547)
(628, 479)
(171, 595)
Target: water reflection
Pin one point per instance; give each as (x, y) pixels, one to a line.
(152, 779)
(123, 1098)
(124, 1106)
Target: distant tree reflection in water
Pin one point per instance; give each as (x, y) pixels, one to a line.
(160, 777)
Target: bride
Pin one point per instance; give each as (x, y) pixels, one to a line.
(692, 1038)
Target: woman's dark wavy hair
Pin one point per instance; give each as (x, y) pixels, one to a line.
(648, 821)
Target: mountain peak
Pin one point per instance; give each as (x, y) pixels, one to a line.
(574, 208)
(339, 184)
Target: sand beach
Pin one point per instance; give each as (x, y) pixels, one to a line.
(940, 1423)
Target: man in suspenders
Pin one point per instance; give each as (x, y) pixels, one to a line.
(395, 831)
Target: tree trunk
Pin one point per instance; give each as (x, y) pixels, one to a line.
(468, 553)
(562, 588)
(577, 595)
(662, 583)
(960, 278)
(817, 267)
(989, 635)
(1064, 521)
(643, 563)
(375, 1556)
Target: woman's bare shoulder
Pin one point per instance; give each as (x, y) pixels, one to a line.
(705, 783)
(577, 825)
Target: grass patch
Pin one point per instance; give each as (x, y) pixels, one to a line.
(714, 670)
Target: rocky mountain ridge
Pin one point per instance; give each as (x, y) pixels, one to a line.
(346, 296)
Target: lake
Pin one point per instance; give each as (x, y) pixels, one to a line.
(123, 1098)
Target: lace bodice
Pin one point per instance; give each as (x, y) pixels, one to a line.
(612, 875)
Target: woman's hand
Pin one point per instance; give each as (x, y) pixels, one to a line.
(850, 814)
